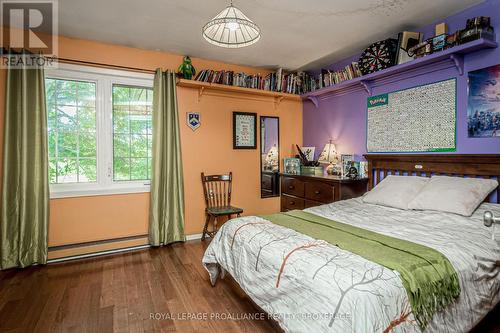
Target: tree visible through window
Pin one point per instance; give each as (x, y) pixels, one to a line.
(71, 109)
(132, 132)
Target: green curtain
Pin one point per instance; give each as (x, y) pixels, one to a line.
(25, 184)
(166, 210)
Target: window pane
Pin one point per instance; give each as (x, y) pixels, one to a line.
(131, 132)
(121, 168)
(71, 110)
(66, 170)
(87, 170)
(139, 168)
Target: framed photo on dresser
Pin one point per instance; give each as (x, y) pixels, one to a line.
(244, 130)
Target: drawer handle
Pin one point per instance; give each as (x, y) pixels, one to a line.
(292, 203)
(291, 187)
(317, 192)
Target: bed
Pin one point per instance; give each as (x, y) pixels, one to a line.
(308, 285)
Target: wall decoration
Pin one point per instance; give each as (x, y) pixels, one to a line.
(483, 112)
(244, 130)
(292, 165)
(418, 119)
(193, 120)
(186, 69)
(378, 56)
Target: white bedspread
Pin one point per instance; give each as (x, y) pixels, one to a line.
(308, 285)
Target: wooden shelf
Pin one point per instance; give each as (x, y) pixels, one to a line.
(204, 87)
(454, 54)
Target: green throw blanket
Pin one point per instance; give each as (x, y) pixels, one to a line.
(428, 277)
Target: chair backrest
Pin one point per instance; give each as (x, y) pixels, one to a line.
(217, 189)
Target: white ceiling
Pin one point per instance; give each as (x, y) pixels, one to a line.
(296, 34)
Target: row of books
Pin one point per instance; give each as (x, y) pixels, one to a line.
(281, 81)
(349, 72)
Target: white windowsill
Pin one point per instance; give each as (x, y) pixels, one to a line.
(90, 192)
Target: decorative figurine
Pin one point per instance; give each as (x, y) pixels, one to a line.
(186, 69)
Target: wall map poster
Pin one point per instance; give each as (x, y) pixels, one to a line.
(419, 119)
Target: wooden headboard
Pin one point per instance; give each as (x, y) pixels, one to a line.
(459, 165)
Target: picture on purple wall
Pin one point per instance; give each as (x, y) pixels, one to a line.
(483, 112)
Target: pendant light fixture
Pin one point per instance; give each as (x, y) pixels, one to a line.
(231, 29)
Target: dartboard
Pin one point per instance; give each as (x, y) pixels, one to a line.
(379, 55)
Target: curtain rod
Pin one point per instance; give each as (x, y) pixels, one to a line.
(96, 64)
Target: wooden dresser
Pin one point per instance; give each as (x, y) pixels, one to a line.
(304, 191)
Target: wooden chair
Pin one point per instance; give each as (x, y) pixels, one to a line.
(217, 191)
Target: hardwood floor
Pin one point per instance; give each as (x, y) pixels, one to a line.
(119, 293)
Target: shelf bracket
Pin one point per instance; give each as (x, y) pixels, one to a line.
(367, 86)
(314, 100)
(277, 101)
(200, 93)
(459, 62)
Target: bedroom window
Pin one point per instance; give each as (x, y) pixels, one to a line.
(99, 130)
(71, 110)
(132, 136)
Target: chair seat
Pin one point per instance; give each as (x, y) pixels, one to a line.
(224, 210)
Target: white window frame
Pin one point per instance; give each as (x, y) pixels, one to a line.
(104, 79)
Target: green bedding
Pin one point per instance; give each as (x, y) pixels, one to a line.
(428, 277)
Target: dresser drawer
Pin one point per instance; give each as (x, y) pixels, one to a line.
(292, 186)
(291, 203)
(321, 192)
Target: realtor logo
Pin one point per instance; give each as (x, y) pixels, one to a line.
(193, 120)
(28, 27)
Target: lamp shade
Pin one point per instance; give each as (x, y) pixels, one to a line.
(272, 157)
(329, 154)
(231, 29)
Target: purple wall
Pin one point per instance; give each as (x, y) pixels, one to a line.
(343, 118)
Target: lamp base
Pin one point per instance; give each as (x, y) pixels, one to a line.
(333, 170)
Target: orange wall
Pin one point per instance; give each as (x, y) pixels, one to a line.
(209, 149)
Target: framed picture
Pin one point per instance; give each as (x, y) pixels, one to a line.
(344, 161)
(483, 112)
(309, 152)
(292, 165)
(244, 130)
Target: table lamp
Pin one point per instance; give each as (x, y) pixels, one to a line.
(329, 155)
(272, 158)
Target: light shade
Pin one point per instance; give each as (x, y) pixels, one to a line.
(329, 154)
(231, 28)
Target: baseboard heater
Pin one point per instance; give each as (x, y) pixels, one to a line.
(96, 248)
(100, 248)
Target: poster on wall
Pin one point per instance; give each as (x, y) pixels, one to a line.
(483, 112)
(418, 119)
(244, 130)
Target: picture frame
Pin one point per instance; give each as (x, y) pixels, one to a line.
(244, 130)
(291, 165)
(344, 161)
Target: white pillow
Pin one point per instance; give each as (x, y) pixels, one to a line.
(396, 191)
(453, 194)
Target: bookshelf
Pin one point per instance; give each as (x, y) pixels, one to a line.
(204, 87)
(455, 55)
